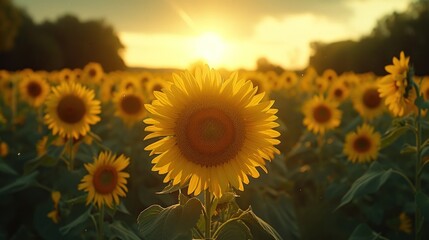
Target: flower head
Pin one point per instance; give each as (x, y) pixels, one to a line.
(215, 133)
(71, 109)
(396, 89)
(105, 181)
(321, 115)
(363, 145)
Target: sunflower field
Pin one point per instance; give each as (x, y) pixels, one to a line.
(209, 154)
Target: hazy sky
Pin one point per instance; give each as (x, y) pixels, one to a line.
(227, 33)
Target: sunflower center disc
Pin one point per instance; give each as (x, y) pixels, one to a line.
(209, 136)
(157, 87)
(362, 144)
(210, 131)
(71, 109)
(34, 89)
(322, 114)
(105, 180)
(131, 104)
(338, 93)
(92, 72)
(371, 99)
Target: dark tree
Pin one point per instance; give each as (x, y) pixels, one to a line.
(65, 43)
(83, 42)
(407, 31)
(9, 24)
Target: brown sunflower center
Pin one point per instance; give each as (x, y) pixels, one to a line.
(131, 104)
(157, 87)
(322, 114)
(362, 144)
(92, 72)
(71, 109)
(338, 93)
(34, 89)
(209, 136)
(129, 85)
(105, 179)
(371, 98)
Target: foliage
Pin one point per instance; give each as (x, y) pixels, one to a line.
(405, 31)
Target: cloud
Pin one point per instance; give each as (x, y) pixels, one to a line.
(236, 17)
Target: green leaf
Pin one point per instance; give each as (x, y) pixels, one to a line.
(44, 160)
(19, 184)
(170, 188)
(408, 149)
(258, 227)
(173, 222)
(75, 223)
(233, 229)
(393, 134)
(4, 168)
(122, 232)
(363, 232)
(368, 183)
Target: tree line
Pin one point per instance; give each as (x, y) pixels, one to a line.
(406, 31)
(64, 43)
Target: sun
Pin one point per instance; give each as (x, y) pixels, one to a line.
(210, 47)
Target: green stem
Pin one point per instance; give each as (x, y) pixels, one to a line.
(418, 220)
(71, 156)
(418, 215)
(207, 205)
(101, 223)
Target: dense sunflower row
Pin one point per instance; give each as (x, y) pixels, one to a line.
(210, 130)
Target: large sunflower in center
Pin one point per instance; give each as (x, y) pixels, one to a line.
(214, 133)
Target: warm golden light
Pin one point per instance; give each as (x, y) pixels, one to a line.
(210, 47)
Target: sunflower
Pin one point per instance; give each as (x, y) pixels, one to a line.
(92, 73)
(129, 106)
(214, 133)
(105, 181)
(7, 84)
(306, 84)
(4, 149)
(145, 77)
(155, 84)
(34, 90)
(289, 79)
(260, 81)
(54, 215)
(363, 145)
(329, 75)
(321, 114)
(321, 85)
(274, 80)
(367, 101)
(107, 89)
(338, 91)
(129, 83)
(424, 88)
(399, 96)
(71, 109)
(65, 75)
(405, 223)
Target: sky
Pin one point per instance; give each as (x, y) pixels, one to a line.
(225, 33)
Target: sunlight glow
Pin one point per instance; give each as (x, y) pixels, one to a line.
(211, 48)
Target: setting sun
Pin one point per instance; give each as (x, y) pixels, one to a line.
(210, 47)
